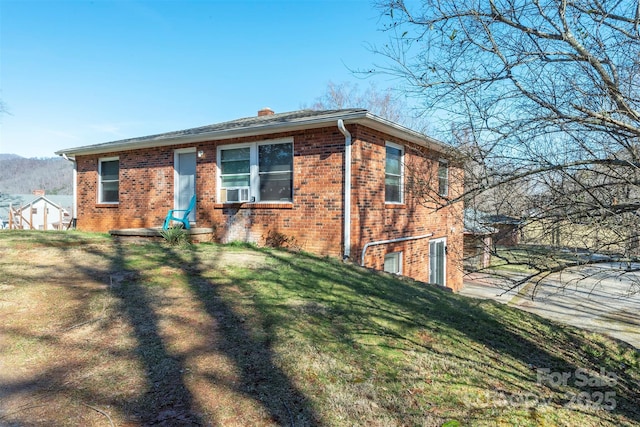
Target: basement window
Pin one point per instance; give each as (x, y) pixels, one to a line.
(108, 180)
(393, 263)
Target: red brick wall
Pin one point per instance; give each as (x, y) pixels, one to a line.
(314, 218)
(146, 193)
(146, 190)
(423, 211)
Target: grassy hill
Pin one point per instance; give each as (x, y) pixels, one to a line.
(96, 330)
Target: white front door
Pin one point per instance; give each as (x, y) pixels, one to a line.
(185, 179)
(438, 261)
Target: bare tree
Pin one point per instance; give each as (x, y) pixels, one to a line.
(382, 103)
(546, 94)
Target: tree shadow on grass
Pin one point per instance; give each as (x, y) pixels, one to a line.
(64, 387)
(341, 306)
(166, 397)
(167, 400)
(360, 303)
(260, 379)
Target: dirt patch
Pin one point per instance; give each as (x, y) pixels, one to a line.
(235, 258)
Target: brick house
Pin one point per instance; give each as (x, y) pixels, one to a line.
(285, 173)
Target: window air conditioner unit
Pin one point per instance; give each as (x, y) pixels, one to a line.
(239, 194)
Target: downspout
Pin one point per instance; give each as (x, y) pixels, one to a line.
(347, 189)
(382, 242)
(74, 218)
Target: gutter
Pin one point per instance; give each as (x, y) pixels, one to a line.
(382, 242)
(347, 189)
(74, 218)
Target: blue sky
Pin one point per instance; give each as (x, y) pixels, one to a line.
(81, 72)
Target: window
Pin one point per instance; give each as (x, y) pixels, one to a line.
(276, 171)
(437, 261)
(393, 263)
(34, 211)
(261, 172)
(443, 178)
(108, 172)
(235, 173)
(393, 173)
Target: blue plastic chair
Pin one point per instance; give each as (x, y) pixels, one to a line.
(184, 218)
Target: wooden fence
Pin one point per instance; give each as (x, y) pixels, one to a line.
(19, 221)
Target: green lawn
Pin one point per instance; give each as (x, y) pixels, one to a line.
(234, 335)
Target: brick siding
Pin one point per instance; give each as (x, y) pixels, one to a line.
(374, 220)
(314, 219)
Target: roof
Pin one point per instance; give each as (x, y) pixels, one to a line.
(56, 201)
(261, 125)
(503, 220)
(475, 222)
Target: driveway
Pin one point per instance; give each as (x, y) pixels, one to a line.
(597, 298)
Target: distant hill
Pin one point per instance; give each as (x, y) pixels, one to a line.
(19, 175)
(9, 156)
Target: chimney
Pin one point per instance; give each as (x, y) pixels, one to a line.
(38, 192)
(266, 111)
